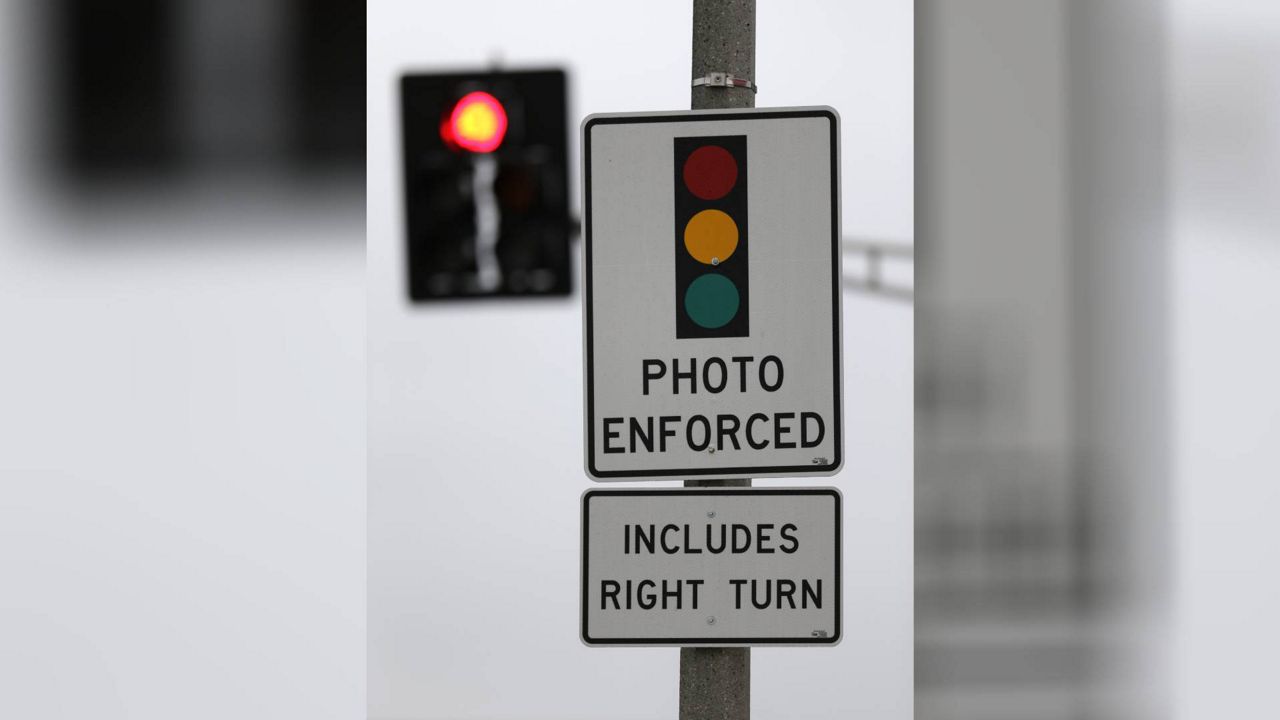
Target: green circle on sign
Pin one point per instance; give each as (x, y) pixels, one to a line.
(711, 301)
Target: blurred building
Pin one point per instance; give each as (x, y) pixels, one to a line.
(155, 90)
(1041, 478)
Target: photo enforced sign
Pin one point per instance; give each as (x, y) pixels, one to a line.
(711, 567)
(712, 318)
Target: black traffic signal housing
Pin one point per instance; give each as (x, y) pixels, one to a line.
(486, 184)
(711, 234)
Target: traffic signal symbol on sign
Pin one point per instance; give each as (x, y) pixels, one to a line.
(711, 283)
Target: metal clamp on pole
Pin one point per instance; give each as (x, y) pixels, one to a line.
(722, 79)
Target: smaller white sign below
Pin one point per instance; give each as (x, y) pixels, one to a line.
(711, 567)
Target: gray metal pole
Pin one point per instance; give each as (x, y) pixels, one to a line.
(715, 683)
(724, 40)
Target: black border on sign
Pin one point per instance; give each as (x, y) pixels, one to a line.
(584, 580)
(835, 297)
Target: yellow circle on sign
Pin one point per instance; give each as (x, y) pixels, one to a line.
(711, 237)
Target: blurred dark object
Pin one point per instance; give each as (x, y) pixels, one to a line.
(331, 86)
(117, 85)
(153, 89)
(492, 220)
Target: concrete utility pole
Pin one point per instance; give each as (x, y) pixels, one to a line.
(715, 683)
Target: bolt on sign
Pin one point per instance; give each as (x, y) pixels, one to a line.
(726, 567)
(712, 318)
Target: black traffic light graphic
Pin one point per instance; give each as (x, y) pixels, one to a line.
(712, 289)
(486, 184)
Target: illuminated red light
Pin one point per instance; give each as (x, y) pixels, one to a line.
(478, 123)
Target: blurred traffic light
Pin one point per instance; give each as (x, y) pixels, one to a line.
(486, 184)
(711, 237)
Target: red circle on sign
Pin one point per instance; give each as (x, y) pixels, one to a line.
(710, 172)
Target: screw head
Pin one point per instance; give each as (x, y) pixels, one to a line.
(711, 619)
(711, 513)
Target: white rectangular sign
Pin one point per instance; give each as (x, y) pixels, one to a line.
(713, 567)
(712, 317)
